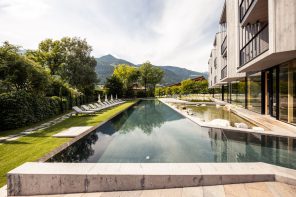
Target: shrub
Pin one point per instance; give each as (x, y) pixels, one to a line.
(22, 108)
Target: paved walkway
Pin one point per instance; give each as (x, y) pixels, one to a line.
(262, 189)
(35, 129)
(72, 132)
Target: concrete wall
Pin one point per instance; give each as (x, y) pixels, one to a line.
(232, 17)
(285, 24)
(218, 55)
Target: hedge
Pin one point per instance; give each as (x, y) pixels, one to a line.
(21, 108)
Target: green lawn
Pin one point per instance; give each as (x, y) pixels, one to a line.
(34, 146)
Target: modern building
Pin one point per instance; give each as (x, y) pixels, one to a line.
(255, 52)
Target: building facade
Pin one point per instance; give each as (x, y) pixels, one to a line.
(255, 52)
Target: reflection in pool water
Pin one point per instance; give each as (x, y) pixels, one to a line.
(152, 132)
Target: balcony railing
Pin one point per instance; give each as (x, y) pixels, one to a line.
(255, 47)
(224, 45)
(224, 72)
(244, 8)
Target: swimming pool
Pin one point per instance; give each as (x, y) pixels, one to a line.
(153, 132)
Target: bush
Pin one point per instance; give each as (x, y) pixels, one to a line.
(21, 108)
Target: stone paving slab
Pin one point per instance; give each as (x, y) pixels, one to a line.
(270, 189)
(72, 132)
(35, 178)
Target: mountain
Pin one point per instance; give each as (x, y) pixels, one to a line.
(106, 64)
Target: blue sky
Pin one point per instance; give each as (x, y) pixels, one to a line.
(165, 32)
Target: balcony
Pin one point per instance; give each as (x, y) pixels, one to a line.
(255, 46)
(224, 46)
(224, 72)
(244, 7)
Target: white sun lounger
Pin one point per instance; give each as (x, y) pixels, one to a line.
(80, 111)
(86, 108)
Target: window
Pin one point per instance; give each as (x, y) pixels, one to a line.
(254, 92)
(287, 88)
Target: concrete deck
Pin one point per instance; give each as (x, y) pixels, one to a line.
(267, 121)
(63, 178)
(271, 189)
(72, 132)
(275, 127)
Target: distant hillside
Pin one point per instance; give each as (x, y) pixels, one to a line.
(172, 74)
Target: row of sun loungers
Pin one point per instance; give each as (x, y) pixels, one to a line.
(96, 107)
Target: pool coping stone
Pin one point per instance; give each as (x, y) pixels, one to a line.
(36, 178)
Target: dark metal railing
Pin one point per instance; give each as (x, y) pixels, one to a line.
(224, 72)
(244, 7)
(224, 45)
(255, 47)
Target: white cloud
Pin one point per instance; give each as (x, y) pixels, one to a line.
(166, 32)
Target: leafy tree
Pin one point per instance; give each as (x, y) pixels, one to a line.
(175, 90)
(50, 54)
(19, 73)
(159, 91)
(69, 58)
(128, 75)
(168, 91)
(201, 87)
(187, 86)
(114, 86)
(150, 76)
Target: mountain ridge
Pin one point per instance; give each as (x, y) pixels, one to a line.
(172, 74)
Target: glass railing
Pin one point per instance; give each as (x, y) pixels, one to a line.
(244, 8)
(224, 45)
(255, 47)
(224, 72)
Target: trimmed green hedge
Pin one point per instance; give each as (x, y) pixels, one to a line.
(21, 108)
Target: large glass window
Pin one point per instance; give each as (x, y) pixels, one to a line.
(217, 93)
(226, 93)
(238, 93)
(254, 92)
(287, 86)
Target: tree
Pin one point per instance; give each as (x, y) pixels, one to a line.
(128, 75)
(150, 76)
(19, 73)
(187, 86)
(201, 87)
(175, 90)
(114, 86)
(51, 54)
(69, 58)
(168, 91)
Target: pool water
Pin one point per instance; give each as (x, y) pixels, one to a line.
(152, 132)
(211, 112)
